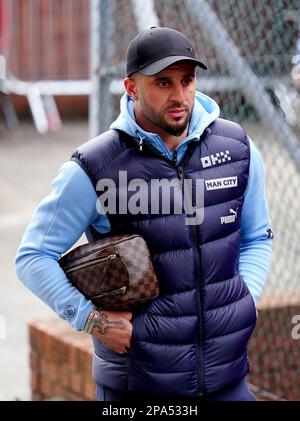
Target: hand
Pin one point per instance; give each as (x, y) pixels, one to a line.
(113, 328)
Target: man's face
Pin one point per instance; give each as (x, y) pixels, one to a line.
(164, 101)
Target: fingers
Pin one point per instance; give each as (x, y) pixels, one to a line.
(123, 350)
(127, 315)
(119, 348)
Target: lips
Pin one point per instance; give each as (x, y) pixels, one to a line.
(177, 112)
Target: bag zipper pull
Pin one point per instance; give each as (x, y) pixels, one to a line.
(109, 258)
(92, 262)
(117, 291)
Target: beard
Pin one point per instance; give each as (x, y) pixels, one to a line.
(158, 118)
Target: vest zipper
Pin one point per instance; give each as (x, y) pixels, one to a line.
(180, 173)
(200, 306)
(174, 158)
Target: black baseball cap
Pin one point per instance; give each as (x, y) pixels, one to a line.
(156, 48)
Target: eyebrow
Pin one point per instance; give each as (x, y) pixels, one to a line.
(162, 78)
(170, 77)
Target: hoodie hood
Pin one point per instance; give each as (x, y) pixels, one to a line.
(205, 111)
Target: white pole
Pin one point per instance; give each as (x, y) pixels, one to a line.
(94, 67)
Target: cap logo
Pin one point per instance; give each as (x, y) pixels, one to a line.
(190, 49)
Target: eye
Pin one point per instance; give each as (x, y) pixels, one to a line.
(187, 81)
(163, 83)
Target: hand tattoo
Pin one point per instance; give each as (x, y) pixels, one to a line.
(103, 324)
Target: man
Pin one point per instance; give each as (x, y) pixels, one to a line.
(191, 340)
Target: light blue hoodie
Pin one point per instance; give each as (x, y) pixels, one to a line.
(206, 110)
(62, 217)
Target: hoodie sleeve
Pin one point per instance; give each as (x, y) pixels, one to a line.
(58, 222)
(256, 234)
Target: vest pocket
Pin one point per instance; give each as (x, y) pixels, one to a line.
(130, 354)
(252, 299)
(132, 339)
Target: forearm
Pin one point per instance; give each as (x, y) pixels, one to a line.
(254, 263)
(44, 277)
(256, 234)
(57, 224)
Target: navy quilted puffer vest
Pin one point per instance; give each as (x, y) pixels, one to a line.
(192, 339)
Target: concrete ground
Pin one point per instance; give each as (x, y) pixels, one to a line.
(29, 162)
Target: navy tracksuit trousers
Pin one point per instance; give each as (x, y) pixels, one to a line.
(236, 392)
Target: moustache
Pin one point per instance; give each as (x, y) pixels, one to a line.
(180, 107)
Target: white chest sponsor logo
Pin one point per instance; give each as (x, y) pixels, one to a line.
(218, 158)
(229, 219)
(221, 183)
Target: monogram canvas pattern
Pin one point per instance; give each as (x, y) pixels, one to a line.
(107, 265)
(96, 279)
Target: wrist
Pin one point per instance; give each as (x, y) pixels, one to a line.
(91, 320)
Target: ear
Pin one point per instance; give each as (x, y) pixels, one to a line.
(131, 88)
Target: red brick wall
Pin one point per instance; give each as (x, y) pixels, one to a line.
(48, 39)
(60, 361)
(274, 354)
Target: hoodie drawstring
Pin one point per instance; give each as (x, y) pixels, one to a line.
(141, 140)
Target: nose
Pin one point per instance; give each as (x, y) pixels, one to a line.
(178, 93)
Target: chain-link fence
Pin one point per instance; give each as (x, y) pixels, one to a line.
(248, 47)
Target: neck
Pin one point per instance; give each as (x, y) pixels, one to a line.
(169, 140)
(172, 142)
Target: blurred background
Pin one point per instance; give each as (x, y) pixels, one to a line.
(62, 65)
